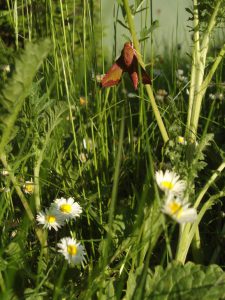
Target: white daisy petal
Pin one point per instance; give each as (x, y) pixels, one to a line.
(73, 252)
(67, 208)
(50, 219)
(188, 215)
(178, 209)
(169, 182)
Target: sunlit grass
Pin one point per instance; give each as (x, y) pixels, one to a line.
(66, 137)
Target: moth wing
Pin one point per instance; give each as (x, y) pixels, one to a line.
(145, 77)
(134, 78)
(136, 67)
(113, 76)
(128, 54)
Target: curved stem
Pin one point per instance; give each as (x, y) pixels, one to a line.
(208, 184)
(190, 229)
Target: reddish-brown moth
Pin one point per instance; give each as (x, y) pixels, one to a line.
(127, 62)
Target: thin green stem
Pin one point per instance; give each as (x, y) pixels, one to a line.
(115, 189)
(21, 196)
(187, 232)
(147, 86)
(84, 49)
(213, 69)
(195, 54)
(70, 112)
(208, 184)
(190, 230)
(15, 17)
(196, 247)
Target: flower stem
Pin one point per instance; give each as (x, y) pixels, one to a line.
(189, 230)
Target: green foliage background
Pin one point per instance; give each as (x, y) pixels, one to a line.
(51, 102)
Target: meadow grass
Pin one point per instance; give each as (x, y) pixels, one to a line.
(63, 136)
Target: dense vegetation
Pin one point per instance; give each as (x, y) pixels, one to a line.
(135, 178)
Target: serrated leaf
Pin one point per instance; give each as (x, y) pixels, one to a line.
(17, 89)
(186, 282)
(14, 256)
(13, 249)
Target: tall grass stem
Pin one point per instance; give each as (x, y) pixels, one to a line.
(159, 120)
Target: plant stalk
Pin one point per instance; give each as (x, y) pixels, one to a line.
(195, 53)
(200, 70)
(147, 86)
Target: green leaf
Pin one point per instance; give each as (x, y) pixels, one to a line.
(133, 280)
(3, 264)
(186, 282)
(189, 11)
(144, 34)
(17, 89)
(122, 24)
(31, 294)
(13, 249)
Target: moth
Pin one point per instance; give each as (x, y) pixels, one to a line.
(127, 62)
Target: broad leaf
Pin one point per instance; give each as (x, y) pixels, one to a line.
(186, 282)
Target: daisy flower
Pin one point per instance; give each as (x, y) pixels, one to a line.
(67, 208)
(169, 182)
(50, 219)
(5, 68)
(83, 101)
(181, 140)
(28, 187)
(72, 251)
(83, 157)
(5, 172)
(161, 94)
(178, 209)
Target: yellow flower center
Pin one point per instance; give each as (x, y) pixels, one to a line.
(167, 184)
(175, 208)
(29, 188)
(83, 101)
(50, 219)
(181, 139)
(66, 208)
(72, 250)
